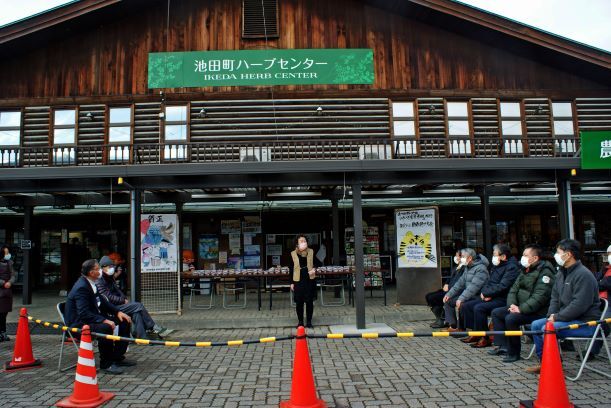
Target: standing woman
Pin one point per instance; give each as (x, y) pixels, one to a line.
(304, 280)
(7, 278)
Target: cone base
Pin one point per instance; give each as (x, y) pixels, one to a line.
(11, 366)
(531, 404)
(68, 402)
(289, 404)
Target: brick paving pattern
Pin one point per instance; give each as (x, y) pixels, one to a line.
(417, 372)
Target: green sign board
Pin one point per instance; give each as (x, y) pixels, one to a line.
(596, 149)
(260, 67)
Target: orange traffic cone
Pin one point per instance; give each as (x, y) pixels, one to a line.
(552, 388)
(86, 393)
(22, 355)
(303, 390)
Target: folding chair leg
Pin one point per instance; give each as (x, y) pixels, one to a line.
(61, 352)
(532, 352)
(584, 358)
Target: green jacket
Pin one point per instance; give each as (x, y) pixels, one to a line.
(532, 291)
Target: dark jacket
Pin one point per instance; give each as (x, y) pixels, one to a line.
(604, 282)
(108, 287)
(501, 279)
(575, 295)
(7, 274)
(532, 289)
(471, 281)
(455, 276)
(82, 308)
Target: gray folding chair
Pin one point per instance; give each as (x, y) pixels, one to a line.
(234, 288)
(599, 334)
(66, 336)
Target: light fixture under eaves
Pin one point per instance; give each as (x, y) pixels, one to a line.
(296, 194)
(448, 191)
(223, 195)
(379, 192)
(531, 189)
(595, 188)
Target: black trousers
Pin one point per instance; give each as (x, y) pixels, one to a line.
(111, 351)
(435, 298)
(3, 322)
(502, 320)
(309, 311)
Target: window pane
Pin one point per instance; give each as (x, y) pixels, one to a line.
(562, 109)
(65, 117)
(176, 132)
(510, 109)
(119, 134)
(458, 127)
(511, 128)
(9, 137)
(563, 127)
(176, 113)
(12, 119)
(457, 109)
(404, 128)
(120, 115)
(403, 109)
(175, 152)
(63, 136)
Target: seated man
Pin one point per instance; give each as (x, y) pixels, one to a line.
(574, 297)
(467, 287)
(604, 287)
(527, 301)
(85, 306)
(143, 323)
(494, 294)
(435, 299)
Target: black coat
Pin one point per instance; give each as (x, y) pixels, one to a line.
(82, 307)
(7, 274)
(108, 287)
(501, 279)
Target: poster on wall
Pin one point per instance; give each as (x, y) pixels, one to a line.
(275, 249)
(208, 247)
(417, 238)
(235, 243)
(159, 243)
(251, 223)
(230, 226)
(252, 261)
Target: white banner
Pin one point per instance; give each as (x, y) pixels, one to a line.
(416, 238)
(159, 243)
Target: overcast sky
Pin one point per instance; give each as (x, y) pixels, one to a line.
(586, 21)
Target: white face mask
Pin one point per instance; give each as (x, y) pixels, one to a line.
(302, 246)
(496, 261)
(559, 259)
(110, 271)
(7, 257)
(456, 260)
(463, 261)
(609, 259)
(524, 262)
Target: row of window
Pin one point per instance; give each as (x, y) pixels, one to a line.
(459, 118)
(457, 114)
(119, 125)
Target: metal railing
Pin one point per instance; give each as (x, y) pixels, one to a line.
(288, 150)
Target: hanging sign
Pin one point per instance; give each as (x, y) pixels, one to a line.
(260, 67)
(416, 238)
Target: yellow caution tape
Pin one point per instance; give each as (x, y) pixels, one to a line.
(172, 343)
(335, 336)
(407, 334)
(143, 341)
(370, 335)
(203, 344)
(441, 334)
(514, 333)
(267, 339)
(235, 342)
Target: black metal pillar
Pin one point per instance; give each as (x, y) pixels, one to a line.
(565, 209)
(335, 232)
(28, 213)
(179, 206)
(487, 230)
(359, 275)
(134, 238)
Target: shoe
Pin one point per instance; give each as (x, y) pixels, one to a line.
(309, 325)
(534, 370)
(438, 325)
(165, 332)
(453, 330)
(511, 359)
(113, 369)
(482, 343)
(300, 324)
(497, 351)
(470, 339)
(4, 337)
(125, 363)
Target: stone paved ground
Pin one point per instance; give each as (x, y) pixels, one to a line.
(421, 372)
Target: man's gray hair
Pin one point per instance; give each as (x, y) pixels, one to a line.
(469, 252)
